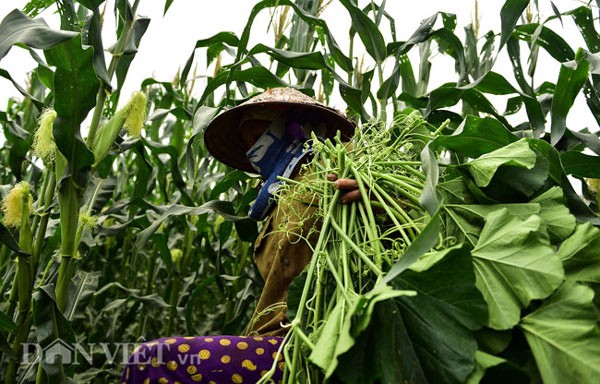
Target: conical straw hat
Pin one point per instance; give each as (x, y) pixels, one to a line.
(222, 136)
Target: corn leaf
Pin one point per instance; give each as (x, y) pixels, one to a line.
(340, 58)
(514, 264)
(7, 238)
(17, 28)
(571, 78)
(52, 329)
(580, 165)
(564, 336)
(585, 22)
(92, 31)
(303, 60)
(368, 31)
(138, 29)
(509, 15)
(7, 324)
(75, 87)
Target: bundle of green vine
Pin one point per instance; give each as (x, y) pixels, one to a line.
(331, 302)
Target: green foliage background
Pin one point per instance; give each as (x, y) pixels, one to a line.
(152, 239)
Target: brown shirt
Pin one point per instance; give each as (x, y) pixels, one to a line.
(281, 252)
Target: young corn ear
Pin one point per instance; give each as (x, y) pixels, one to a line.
(131, 117)
(16, 204)
(136, 114)
(43, 139)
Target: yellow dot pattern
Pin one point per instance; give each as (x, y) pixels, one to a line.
(245, 353)
(204, 354)
(172, 365)
(249, 365)
(276, 356)
(192, 369)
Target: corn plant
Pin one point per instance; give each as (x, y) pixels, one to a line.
(472, 257)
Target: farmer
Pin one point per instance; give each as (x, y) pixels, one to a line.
(270, 135)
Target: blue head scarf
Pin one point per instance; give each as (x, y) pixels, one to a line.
(276, 153)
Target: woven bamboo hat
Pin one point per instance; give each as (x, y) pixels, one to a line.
(222, 136)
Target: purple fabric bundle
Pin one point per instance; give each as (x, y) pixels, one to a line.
(206, 359)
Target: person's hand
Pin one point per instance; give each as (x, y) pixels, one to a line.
(349, 188)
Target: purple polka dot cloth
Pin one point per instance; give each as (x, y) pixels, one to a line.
(205, 359)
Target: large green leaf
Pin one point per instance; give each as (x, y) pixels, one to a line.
(516, 154)
(441, 317)
(514, 264)
(476, 136)
(17, 28)
(485, 362)
(580, 255)
(555, 215)
(564, 336)
(346, 322)
(383, 353)
(469, 219)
